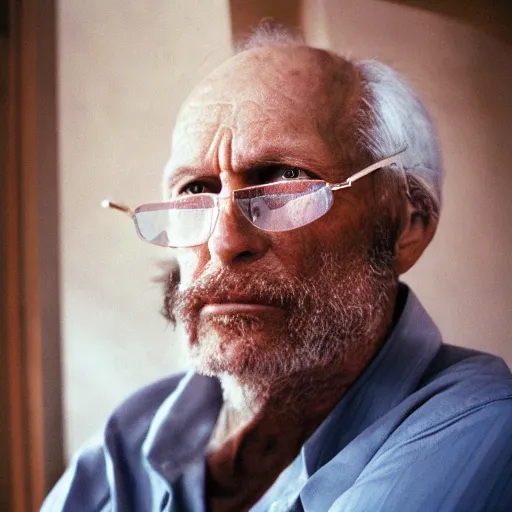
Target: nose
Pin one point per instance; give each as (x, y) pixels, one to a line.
(234, 239)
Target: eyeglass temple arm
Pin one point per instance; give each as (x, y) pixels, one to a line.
(367, 170)
(121, 207)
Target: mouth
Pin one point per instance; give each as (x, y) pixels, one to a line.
(237, 308)
(240, 304)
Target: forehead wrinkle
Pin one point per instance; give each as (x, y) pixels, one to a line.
(220, 152)
(207, 117)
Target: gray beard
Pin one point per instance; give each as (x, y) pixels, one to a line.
(331, 318)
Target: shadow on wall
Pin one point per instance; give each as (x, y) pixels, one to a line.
(495, 17)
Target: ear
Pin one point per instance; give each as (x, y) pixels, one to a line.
(417, 232)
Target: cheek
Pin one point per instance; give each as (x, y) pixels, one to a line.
(297, 252)
(188, 264)
(335, 235)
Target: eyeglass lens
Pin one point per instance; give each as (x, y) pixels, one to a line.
(190, 220)
(284, 206)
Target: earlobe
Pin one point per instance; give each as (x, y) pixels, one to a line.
(414, 238)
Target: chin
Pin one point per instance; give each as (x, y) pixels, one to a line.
(240, 346)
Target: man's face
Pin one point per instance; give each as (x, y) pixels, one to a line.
(260, 304)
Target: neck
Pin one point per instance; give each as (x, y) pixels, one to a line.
(260, 431)
(295, 401)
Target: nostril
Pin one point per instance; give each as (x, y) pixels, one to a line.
(245, 255)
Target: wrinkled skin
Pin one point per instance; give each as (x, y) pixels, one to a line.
(327, 291)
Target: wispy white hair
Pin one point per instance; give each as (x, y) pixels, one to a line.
(399, 120)
(270, 33)
(391, 118)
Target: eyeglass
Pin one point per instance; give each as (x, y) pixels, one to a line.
(189, 220)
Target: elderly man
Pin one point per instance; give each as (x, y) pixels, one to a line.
(300, 186)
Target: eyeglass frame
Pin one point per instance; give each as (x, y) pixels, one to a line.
(385, 162)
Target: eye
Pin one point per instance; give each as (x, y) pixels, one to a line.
(196, 187)
(289, 173)
(292, 173)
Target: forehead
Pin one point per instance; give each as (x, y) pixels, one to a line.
(269, 103)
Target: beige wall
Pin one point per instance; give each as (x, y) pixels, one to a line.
(124, 69)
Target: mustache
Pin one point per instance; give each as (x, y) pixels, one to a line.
(226, 285)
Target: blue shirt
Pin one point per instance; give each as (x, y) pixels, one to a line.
(426, 427)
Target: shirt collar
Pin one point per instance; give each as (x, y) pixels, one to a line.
(183, 424)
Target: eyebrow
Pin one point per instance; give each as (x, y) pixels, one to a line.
(174, 177)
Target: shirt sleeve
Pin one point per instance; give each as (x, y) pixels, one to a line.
(463, 463)
(105, 471)
(84, 485)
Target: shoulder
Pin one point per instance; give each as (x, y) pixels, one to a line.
(460, 388)
(132, 418)
(86, 483)
(449, 444)
(455, 437)
(468, 379)
(464, 363)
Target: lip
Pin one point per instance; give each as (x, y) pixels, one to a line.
(234, 308)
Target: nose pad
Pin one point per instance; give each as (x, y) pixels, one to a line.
(234, 239)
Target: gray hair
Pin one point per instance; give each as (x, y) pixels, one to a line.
(399, 120)
(391, 118)
(270, 33)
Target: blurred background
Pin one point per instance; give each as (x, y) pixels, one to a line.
(120, 71)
